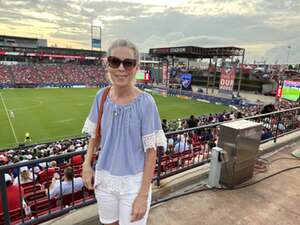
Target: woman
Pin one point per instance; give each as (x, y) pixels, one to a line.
(130, 132)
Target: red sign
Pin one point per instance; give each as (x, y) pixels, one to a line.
(227, 80)
(63, 56)
(147, 75)
(279, 91)
(2, 53)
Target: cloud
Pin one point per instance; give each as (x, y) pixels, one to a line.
(263, 27)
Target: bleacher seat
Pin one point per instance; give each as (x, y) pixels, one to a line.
(15, 216)
(43, 206)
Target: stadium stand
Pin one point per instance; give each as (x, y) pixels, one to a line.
(25, 74)
(52, 73)
(5, 75)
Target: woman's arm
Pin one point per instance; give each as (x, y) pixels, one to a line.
(87, 170)
(149, 166)
(139, 207)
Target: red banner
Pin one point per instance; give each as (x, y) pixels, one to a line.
(63, 56)
(227, 80)
(147, 76)
(279, 91)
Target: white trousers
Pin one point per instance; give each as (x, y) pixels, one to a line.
(118, 207)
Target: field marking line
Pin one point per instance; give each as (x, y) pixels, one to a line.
(10, 123)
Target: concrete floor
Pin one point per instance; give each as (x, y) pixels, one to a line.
(275, 201)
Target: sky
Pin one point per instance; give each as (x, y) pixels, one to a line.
(268, 29)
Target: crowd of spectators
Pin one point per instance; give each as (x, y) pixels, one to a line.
(5, 76)
(39, 73)
(25, 74)
(42, 150)
(50, 73)
(206, 138)
(49, 177)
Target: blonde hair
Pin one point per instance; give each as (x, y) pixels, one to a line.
(53, 163)
(124, 43)
(25, 175)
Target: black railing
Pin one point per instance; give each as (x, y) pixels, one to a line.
(192, 147)
(36, 202)
(186, 149)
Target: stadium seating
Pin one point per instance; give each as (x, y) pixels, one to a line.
(25, 74)
(71, 198)
(5, 75)
(43, 206)
(51, 73)
(15, 216)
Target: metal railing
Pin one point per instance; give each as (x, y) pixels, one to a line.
(186, 149)
(36, 204)
(192, 147)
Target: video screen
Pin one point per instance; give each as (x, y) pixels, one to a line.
(142, 75)
(291, 90)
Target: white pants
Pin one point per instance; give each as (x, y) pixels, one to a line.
(118, 207)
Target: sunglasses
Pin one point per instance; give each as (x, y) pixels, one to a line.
(115, 62)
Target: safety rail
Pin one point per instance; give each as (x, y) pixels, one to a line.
(186, 149)
(192, 147)
(35, 205)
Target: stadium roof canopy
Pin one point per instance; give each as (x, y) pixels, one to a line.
(49, 52)
(16, 37)
(197, 52)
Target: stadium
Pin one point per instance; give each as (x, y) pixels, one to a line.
(46, 94)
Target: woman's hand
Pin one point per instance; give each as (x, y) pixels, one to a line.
(139, 208)
(87, 175)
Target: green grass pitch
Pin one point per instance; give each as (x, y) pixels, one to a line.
(290, 93)
(52, 114)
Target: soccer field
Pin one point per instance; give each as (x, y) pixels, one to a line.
(51, 114)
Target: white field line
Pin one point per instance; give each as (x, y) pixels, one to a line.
(10, 123)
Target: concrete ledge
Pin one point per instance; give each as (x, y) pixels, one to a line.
(179, 181)
(281, 142)
(89, 214)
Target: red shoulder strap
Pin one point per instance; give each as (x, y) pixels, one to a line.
(100, 113)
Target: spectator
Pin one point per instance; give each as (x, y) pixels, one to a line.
(42, 176)
(192, 122)
(3, 160)
(66, 185)
(164, 125)
(170, 146)
(184, 144)
(76, 160)
(25, 176)
(266, 134)
(13, 196)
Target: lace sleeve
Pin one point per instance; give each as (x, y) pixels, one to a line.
(155, 139)
(89, 128)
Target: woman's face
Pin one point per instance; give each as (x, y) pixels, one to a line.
(122, 74)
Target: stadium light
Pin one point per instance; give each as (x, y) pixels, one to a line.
(98, 23)
(288, 54)
(96, 42)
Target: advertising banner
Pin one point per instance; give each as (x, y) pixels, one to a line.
(227, 80)
(186, 81)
